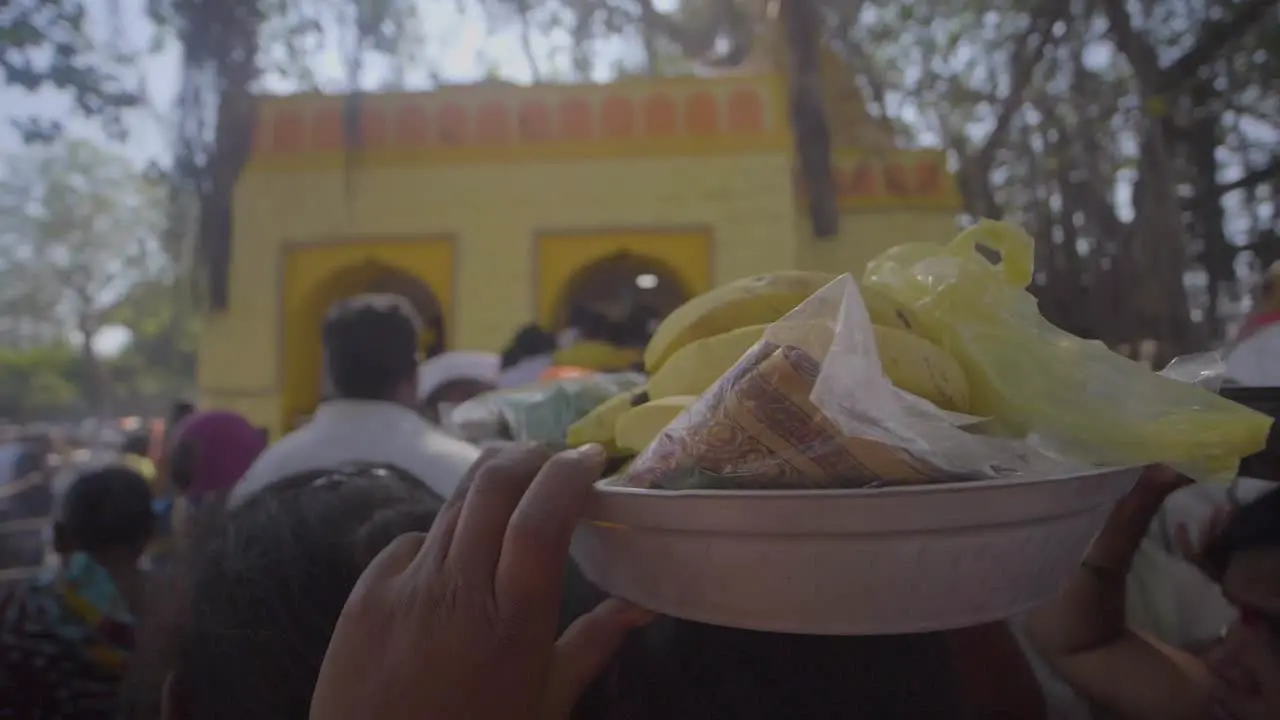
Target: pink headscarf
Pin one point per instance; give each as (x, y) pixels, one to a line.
(225, 446)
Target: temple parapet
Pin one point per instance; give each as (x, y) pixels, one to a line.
(504, 122)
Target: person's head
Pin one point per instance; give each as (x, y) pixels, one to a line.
(453, 378)
(211, 451)
(1245, 559)
(530, 341)
(179, 412)
(106, 514)
(137, 443)
(676, 668)
(371, 347)
(260, 599)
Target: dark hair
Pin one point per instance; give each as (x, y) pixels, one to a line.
(683, 669)
(137, 443)
(183, 456)
(1254, 525)
(371, 345)
(265, 586)
(530, 341)
(179, 412)
(106, 509)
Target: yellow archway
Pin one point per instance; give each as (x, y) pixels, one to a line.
(316, 277)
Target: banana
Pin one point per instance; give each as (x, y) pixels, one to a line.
(922, 368)
(696, 366)
(749, 301)
(885, 311)
(597, 426)
(637, 427)
(909, 361)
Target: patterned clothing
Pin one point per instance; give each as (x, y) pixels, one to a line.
(65, 639)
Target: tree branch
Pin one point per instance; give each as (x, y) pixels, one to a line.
(1271, 172)
(1215, 38)
(1023, 64)
(1132, 45)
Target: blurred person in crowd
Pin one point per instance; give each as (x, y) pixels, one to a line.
(136, 453)
(1125, 674)
(179, 412)
(211, 452)
(1254, 358)
(527, 356)
(452, 378)
(67, 635)
(599, 343)
(278, 568)
(371, 349)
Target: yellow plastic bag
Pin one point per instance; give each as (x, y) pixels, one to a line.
(1075, 395)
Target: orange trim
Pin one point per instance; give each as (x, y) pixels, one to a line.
(661, 118)
(702, 113)
(576, 120)
(375, 126)
(617, 117)
(903, 179)
(412, 126)
(326, 129)
(508, 116)
(746, 112)
(493, 123)
(454, 125)
(534, 121)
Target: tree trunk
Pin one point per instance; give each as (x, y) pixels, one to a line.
(808, 113)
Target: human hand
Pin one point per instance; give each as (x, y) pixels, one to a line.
(461, 622)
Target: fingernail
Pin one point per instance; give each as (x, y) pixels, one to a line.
(591, 451)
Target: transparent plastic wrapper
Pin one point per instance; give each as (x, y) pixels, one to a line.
(543, 412)
(1207, 370)
(1072, 396)
(809, 406)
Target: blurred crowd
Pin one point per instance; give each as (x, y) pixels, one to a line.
(371, 563)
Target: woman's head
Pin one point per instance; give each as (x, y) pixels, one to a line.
(263, 590)
(1245, 558)
(211, 451)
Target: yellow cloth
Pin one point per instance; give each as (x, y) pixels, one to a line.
(143, 466)
(598, 356)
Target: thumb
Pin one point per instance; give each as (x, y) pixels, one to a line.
(585, 649)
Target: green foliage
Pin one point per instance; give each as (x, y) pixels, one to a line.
(44, 44)
(81, 249)
(40, 383)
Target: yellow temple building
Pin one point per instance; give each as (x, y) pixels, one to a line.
(494, 205)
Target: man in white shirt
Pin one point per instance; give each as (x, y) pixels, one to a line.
(371, 351)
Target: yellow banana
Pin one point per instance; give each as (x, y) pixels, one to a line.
(597, 426)
(637, 427)
(922, 368)
(696, 366)
(910, 362)
(885, 311)
(749, 301)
